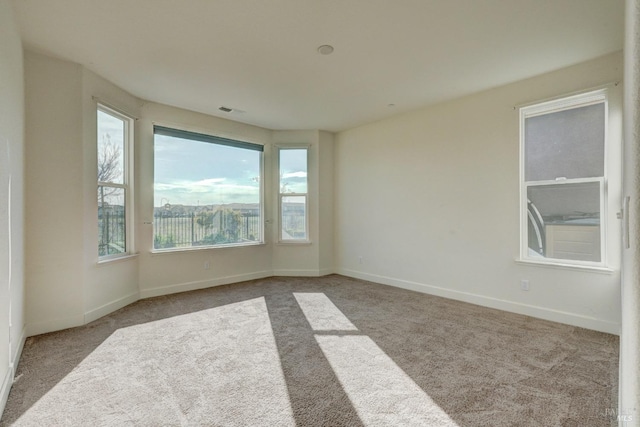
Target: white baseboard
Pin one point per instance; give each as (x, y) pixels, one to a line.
(202, 284)
(326, 271)
(297, 273)
(500, 304)
(110, 307)
(55, 325)
(7, 381)
(18, 351)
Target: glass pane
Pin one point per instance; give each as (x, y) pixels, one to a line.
(205, 194)
(293, 170)
(293, 221)
(564, 221)
(111, 137)
(567, 143)
(111, 221)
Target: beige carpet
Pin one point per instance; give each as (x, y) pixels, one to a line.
(328, 351)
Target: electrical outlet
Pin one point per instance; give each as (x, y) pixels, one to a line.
(207, 265)
(524, 285)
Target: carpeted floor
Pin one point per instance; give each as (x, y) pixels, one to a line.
(330, 351)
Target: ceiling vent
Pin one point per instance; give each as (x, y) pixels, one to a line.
(225, 109)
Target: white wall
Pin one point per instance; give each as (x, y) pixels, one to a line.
(12, 332)
(54, 194)
(429, 200)
(65, 284)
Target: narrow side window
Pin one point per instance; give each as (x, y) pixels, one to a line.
(114, 204)
(293, 195)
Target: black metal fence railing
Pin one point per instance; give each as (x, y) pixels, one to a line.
(293, 225)
(206, 228)
(179, 230)
(111, 232)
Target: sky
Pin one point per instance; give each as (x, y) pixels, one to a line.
(111, 131)
(293, 170)
(199, 173)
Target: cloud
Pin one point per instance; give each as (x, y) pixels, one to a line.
(209, 182)
(201, 186)
(294, 175)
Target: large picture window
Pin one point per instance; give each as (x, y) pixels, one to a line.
(563, 180)
(207, 191)
(294, 224)
(114, 157)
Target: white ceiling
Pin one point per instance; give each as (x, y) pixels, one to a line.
(259, 56)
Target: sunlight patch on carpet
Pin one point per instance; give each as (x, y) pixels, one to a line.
(213, 367)
(322, 314)
(381, 393)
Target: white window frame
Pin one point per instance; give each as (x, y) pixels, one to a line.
(554, 106)
(307, 240)
(127, 179)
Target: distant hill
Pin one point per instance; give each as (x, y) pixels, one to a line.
(173, 210)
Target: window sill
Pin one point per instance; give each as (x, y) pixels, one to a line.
(562, 266)
(294, 243)
(109, 261)
(155, 252)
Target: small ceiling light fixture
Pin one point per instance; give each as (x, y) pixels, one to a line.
(325, 49)
(225, 109)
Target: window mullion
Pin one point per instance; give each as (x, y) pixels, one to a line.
(564, 181)
(112, 184)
